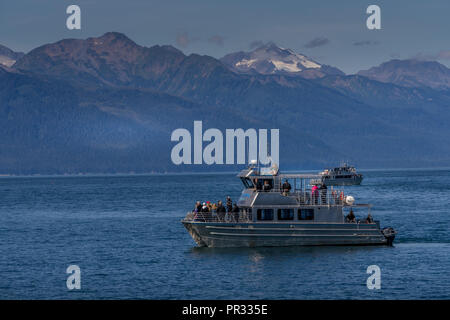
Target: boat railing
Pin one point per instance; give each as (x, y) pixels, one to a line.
(321, 197)
(214, 216)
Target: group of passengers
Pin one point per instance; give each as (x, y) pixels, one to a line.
(262, 185)
(352, 218)
(319, 193)
(207, 208)
(266, 185)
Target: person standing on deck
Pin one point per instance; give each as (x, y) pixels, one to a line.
(221, 211)
(315, 193)
(236, 212)
(258, 185)
(198, 207)
(350, 217)
(286, 187)
(229, 204)
(204, 208)
(323, 193)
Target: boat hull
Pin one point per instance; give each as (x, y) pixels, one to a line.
(207, 234)
(353, 181)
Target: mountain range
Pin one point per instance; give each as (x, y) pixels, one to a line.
(108, 105)
(411, 73)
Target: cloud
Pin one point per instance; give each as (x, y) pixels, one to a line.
(317, 42)
(365, 43)
(183, 39)
(216, 39)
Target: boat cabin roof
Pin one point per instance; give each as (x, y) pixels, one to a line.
(254, 173)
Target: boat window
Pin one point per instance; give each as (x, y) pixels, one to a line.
(265, 214)
(285, 214)
(305, 214)
(247, 183)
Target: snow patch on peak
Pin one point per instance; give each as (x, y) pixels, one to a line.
(245, 63)
(290, 66)
(269, 59)
(6, 61)
(310, 64)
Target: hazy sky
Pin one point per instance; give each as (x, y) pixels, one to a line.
(331, 32)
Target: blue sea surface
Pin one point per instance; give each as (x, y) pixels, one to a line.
(124, 232)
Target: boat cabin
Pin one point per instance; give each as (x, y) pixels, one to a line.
(270, 196)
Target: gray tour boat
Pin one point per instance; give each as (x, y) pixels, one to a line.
(286, 210)
(344, 175)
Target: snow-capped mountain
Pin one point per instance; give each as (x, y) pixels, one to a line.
(121, 101)
(271, 59)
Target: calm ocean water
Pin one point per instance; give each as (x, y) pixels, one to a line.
(125, 234)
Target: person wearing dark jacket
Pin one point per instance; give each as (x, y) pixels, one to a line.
(205, 207)
(236, 212)
(286, 187)
(198, 207)
(229, 204)
(350, 217)
(258, 184)
(323, 193)
(267, 186)
(221, 211)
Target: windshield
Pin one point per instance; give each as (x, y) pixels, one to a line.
(247, 183)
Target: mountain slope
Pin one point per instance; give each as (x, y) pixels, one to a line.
(112, 59)
(411, 73)
(8, 57)
(115, 59)
(50, 126)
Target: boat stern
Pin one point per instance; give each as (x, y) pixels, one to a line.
(389, 233)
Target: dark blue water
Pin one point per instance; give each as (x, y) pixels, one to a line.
(125, 234)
